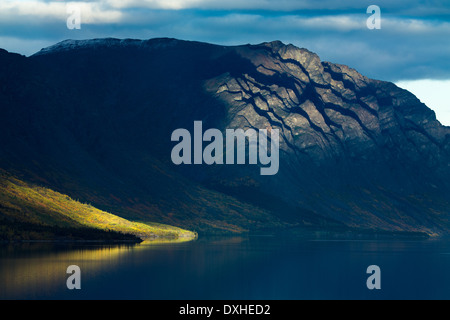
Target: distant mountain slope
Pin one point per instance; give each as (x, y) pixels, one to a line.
(29, 212)
(93, 119)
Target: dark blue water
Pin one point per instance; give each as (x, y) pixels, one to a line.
(268, 268)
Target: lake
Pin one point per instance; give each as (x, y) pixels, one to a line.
(236, 268)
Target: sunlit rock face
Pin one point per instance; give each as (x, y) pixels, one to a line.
(327, 110)
(94, 118)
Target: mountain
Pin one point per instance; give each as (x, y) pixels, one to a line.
(94, 119)
(35, 213)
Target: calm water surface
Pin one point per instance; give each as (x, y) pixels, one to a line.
(268, 268)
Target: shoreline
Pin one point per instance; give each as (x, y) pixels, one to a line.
(106, 242)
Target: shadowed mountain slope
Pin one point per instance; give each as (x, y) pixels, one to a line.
(93, 119)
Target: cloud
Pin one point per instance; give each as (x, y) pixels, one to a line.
(33, 10)
(404, 7)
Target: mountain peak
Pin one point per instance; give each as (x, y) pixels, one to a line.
(276, 44)
(70, 44)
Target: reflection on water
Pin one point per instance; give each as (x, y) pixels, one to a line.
(227, 268)
(38, 270)
(32, 270)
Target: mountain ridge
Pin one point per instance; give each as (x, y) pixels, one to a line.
(97, 115)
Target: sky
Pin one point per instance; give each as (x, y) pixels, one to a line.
(411, 48)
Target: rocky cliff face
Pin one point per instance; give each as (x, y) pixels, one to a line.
(328, 111)
(94, 119)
